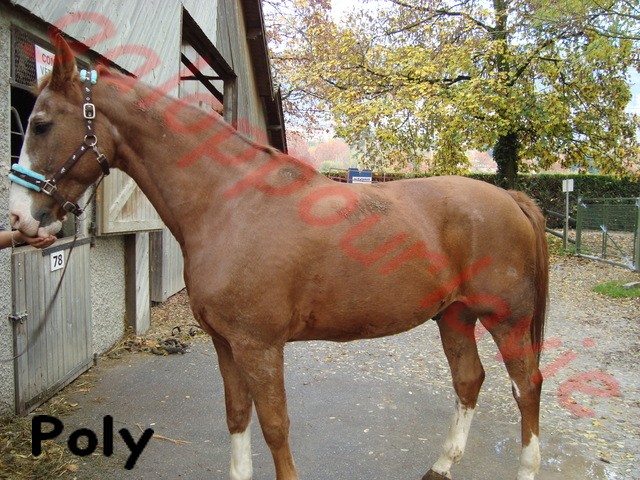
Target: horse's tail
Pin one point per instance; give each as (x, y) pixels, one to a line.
(541, 269)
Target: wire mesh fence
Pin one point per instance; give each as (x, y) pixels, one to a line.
(608, 229)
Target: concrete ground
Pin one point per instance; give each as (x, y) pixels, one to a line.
(380, 409)
(347, 422)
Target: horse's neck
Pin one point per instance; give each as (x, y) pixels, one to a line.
(182, 158)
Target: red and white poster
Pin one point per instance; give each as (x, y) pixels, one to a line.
(44, 62)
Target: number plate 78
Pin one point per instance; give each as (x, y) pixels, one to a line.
(57, 260)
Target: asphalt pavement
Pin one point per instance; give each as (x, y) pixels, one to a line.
(350, 419)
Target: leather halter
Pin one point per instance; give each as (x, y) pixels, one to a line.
(36, 181)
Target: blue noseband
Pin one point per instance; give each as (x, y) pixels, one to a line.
(27, 178)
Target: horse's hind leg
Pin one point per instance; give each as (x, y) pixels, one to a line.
(458, 341)
(521, 359)
(239, 408)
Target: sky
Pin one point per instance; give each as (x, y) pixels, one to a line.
(342, 7)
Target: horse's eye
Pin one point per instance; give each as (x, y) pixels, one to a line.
(41, 128)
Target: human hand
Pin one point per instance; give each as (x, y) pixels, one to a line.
(39, 242)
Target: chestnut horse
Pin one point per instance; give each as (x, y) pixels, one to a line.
(275, 252)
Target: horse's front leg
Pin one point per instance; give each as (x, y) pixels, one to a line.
(239, 408)
(263, 367)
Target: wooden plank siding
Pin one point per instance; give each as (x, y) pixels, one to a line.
(167, 265)
(52, 321)
(123, 208)
(137, 272)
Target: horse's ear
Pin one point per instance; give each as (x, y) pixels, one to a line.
(64, 64)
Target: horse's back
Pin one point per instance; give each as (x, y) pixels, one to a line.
(472, 208)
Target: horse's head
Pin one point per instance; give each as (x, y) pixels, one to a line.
(49, 179)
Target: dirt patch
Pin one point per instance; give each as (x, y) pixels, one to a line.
(172, 329)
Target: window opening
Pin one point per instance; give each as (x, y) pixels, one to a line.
(210, 74)
(17, 135)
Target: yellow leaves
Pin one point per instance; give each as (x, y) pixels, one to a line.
(431, 77)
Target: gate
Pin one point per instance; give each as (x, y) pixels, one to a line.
(608, 229)
(50, 350)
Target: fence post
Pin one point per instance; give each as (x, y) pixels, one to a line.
(567, 187)
(565, 234)
(636, 242)
(604, 227)
(579, 215)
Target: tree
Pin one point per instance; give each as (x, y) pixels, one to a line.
(298, 146)
(331, 153)
(535, 80)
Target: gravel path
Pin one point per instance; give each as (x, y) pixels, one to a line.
(598, 338)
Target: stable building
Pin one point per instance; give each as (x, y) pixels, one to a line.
(118, 258)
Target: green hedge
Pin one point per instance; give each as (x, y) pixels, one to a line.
(546, 189)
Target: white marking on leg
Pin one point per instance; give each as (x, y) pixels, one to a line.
(456, 441)
(529, 460)
(516, 390)
(241, 461)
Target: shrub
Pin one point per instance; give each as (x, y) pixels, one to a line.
(546, 188)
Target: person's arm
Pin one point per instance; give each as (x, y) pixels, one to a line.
(10, 238)
(7, 238)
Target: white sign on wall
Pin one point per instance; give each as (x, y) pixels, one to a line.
(44, 62)
(57, 260)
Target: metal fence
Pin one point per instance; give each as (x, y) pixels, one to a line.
(608, 229)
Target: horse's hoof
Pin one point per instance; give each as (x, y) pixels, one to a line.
(431, 475)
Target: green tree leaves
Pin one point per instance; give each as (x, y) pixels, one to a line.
(418, 82)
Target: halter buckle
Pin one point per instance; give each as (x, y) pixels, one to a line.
(89, 111)
(72, 208)
(102, 161)
(48, 187)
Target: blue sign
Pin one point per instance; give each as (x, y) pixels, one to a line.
(360, 176)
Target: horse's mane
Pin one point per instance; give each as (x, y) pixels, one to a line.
(106, 71)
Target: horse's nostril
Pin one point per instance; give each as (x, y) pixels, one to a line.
(15, 220)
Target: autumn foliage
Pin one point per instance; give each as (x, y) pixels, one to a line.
(420, 82)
